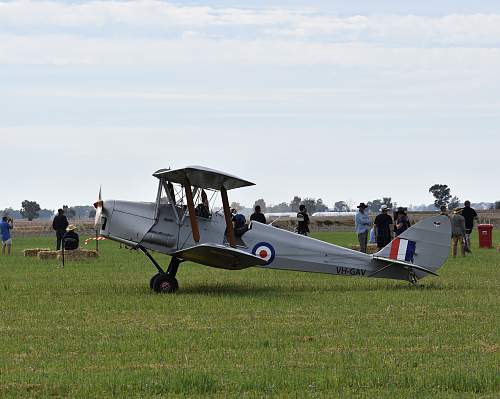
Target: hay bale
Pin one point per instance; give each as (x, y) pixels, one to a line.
(371, 248)
(47, 255)
(33, 252)
(92, 254)
(78, 254)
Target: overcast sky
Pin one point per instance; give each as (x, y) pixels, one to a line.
(333, 99)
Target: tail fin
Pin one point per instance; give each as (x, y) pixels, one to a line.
(425, 244)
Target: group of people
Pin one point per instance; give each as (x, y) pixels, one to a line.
(66, 234)
(240, 221)
(383, 230)
(462, 224)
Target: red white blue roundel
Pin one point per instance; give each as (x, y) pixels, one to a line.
(264, 251)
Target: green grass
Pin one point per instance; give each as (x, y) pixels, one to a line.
(94, 329)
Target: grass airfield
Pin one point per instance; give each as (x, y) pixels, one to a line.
(94, 329)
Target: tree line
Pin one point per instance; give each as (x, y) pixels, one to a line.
(31, 210)
(441, 193)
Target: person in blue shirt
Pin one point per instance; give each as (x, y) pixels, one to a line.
(363, 225)
(5, 226)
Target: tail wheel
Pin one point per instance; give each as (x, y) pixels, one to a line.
(165, 284)
(412, 278)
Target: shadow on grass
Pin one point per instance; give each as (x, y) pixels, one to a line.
(231, 289)
(243, 290)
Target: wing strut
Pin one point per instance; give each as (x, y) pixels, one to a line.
(227, 215)
(192, 215)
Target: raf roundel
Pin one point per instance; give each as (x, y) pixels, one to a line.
(264, 251)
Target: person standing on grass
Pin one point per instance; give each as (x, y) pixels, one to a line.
(303, 218)
(383, 227)
(469, 215)
(59, 224)
(363, 225)
(458, 231)
(6, 225)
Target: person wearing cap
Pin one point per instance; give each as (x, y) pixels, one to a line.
(363, 225)
(469, 215)
(59, 224)
(383, 227)
(457, 231)
(71, 240)
(402, 221)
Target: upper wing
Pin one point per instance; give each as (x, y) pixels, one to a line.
(202, 177)
(219, 256)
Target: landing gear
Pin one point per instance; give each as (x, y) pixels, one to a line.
(151, 282)
(412, 278)
(161, 282)
(165, 284)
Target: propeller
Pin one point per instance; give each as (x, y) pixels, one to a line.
(98, 209)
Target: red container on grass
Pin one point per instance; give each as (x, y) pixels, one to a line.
(485, 235)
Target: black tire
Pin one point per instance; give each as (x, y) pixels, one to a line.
(164, 284)
(151, 282)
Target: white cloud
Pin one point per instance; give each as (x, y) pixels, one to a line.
(156, 33)
(146, 18)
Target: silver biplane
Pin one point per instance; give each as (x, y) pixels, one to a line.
(181, 223)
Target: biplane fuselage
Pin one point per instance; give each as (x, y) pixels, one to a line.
(171, 226)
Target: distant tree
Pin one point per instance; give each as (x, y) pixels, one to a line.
(69, 212)
(82, 211)
(12, 213)
(497, 205)
(374, 206)
(262, 203)
(281, 207)
(387, 201)
(441, 193)
(92, 214)
(46, 213)
(237, 206)
(320, 206)
(341, 206)
(310, 204)
(454, 203)
(295, 204)
(29, 210)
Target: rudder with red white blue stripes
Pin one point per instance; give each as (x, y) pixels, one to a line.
(403, 250)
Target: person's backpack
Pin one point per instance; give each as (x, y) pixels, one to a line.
(71, 242)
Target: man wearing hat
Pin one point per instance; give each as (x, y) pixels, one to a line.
(383, 227)
(457, 231)
(362, 224)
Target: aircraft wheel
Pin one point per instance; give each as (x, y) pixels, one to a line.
(164, 284)
(152, 281)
